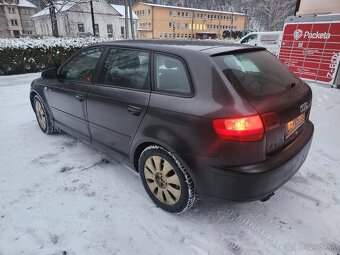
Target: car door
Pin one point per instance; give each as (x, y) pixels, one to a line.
(66, 95)
(119, 98)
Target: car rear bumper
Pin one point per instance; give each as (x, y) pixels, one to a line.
(254, 182)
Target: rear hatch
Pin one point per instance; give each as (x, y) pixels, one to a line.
(282, 99)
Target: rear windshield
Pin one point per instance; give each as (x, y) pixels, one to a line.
(258, 73)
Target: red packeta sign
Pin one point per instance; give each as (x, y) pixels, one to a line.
(311, 50)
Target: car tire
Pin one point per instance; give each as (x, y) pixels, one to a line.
(165, 180)
(43, 117)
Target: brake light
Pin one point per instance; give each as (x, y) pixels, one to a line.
(246, 129)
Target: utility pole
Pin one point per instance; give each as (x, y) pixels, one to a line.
(54, 23)
(131, 20)
(92, 16)
(126, 19)
(232, 25)
(192, 24)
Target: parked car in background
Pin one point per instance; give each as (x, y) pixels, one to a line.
(193, 118)
(269, 40)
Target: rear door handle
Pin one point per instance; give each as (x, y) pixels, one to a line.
(80, 97)
(134, 110)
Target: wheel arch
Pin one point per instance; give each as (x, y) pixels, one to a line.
(142, 145)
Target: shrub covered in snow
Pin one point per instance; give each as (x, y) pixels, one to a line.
(24, 55)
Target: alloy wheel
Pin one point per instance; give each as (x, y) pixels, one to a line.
(162, 180)
(40, 114)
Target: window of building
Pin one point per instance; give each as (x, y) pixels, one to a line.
(28, 23)
(109, 28)
(122, 31)
(96, 29)
(179, 14)
(81, 28)
(170, 24)
(171, 75)
(186, 15)
(11, 10)
(182, 14)
(16, 33)
(170, 13)
(149, 11)
(185, 35)
(14, 22)
(127, 68)
(82, 66)
(186, 26)
(165, 35)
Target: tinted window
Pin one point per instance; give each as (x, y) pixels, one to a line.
(126, 68)
(259, 73)
(82, 67)
(171, 75)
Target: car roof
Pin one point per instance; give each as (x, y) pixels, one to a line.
(206, 46)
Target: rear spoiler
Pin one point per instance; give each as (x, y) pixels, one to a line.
(220, 51)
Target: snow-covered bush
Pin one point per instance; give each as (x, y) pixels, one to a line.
(24, 55)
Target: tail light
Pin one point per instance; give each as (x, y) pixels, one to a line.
(246, 129)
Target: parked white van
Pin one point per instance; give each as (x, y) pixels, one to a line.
(269, 40)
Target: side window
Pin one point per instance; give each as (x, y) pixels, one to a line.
(126, 68)
(171, 75)
(249, 38)
(82, 67)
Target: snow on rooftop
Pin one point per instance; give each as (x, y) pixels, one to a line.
(191, 9)
(60, 7)
(25, 3)
(121, 10)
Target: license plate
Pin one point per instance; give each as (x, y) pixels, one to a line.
(294, 125)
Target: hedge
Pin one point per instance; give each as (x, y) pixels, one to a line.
(24, 55)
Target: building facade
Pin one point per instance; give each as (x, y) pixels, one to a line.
(74, 19)
(161, 21)
(121, 10)
(15, 18)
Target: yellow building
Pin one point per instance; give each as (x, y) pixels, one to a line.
(161, 21)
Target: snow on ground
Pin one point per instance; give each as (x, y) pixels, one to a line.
(57, 196)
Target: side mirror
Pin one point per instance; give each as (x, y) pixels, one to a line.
(50, 73)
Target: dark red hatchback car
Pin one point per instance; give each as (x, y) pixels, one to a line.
(194, 118)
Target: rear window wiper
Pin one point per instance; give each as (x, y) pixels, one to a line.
(290, 85)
